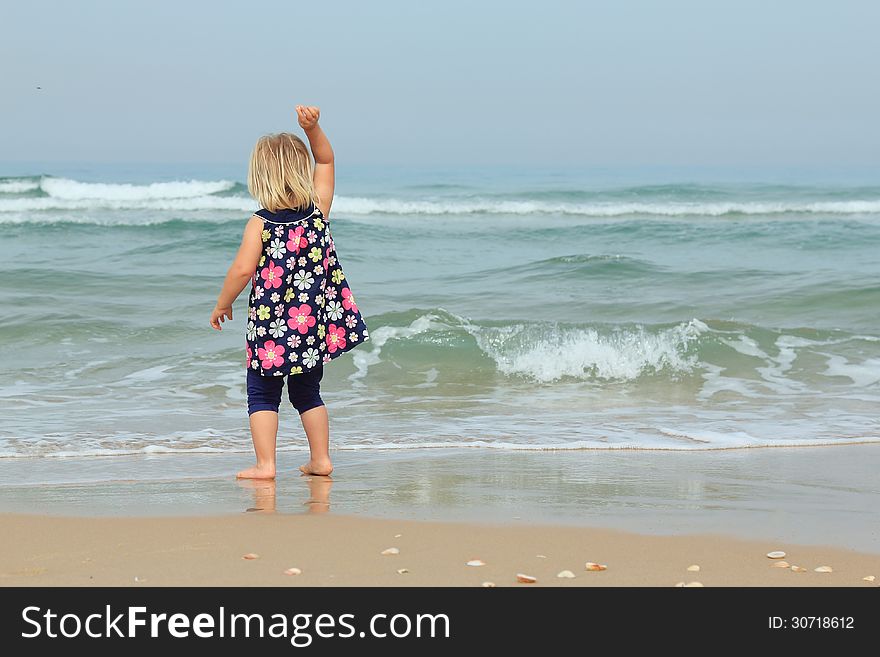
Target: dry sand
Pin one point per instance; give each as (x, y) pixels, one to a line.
(333, 550)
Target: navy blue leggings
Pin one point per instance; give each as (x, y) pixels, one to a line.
(303, 390)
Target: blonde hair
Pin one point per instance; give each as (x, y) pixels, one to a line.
(280, 173)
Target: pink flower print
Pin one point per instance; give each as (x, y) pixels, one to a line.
(301, 318)
(325, 262)
(250, 354)
(270, 354)
(335, 338)
(348, 300)
(272, 275)
(295, 239)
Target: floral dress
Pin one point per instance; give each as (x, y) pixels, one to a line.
(301, 310)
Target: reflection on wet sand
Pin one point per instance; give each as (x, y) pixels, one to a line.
(265, 493)
(319, 494)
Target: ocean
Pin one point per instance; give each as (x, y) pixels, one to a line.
(509, 309)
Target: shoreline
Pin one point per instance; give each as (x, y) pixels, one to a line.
(209, 550)
(806, 497)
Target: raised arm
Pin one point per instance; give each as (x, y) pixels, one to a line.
(325, 173)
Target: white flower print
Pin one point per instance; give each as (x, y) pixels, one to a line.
(318, 269)
(331, 260)
(353, 336)
(255, 364)
(310, 339)
(276, 249)
(303, 297)
(319, 299)
(279, 231)
(330, 293)
(322, 346)
(252, 313)
(301, 261)
(278, 328)
(294, 341)
(279, 310)
(258, 292)
(261, 331)
(289, 278)
(334, 310)
(310, 357)
(293, 357)
(251, 329)
(303, 280)
(311, 236)
(291, 262)
(350, 321)
(275, 298)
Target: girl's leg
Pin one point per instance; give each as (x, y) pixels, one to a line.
(264, 398)
(305, 395)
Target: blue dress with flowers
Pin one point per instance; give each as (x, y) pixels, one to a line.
(301, 310)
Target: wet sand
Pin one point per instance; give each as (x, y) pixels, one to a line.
(799, 495)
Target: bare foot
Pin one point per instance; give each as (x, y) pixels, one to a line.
(315, 467)
(257, 472)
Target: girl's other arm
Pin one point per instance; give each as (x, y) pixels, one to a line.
(325, 174)
(240, 271)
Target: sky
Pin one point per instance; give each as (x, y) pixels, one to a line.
(553, 83)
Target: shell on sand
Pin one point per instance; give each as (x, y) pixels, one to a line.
(798, 569)
(780, 564)
(595, 566)
(525, 579)
(391, 550)
(565, 574)
(776, 555)
(293, 571)
(475, 562)
(402, 571)
(694, 585)
(869, 578)
(488, 585)
(398, 535)
(541, 556)
(694, 568)
(824, 569)
(250, 556)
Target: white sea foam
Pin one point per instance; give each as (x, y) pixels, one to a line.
(64, 188)
(65, 194)
(549, 354)
(864, 374)
(18, 186)
(366, 206)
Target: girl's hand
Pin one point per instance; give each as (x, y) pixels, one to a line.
(308, 116)
(218, 315)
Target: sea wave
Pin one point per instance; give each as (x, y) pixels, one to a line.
(48, 193)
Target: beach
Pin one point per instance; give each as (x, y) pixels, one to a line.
(348, 551)
(646, 515)
(649, 369)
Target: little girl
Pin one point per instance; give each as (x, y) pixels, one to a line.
(301, 311)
